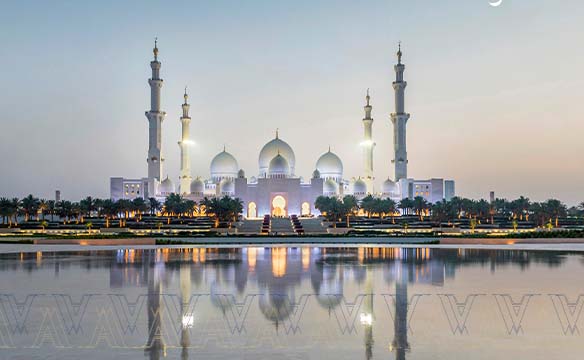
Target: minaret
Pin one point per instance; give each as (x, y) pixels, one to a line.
(184, 143)
(155, 117)
(399, 119)
(368, 145)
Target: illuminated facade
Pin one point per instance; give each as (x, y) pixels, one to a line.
(277, 190)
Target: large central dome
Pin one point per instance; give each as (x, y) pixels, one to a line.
(272, 149)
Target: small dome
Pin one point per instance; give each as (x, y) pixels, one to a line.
(316, 174)
(253, 180)
(359, 187)
(241, 174)
(166, 187)
(273, 148)
(197, 186)
(223, 166)
(227, 187)
(389, 187)
(330, 166)
(330, 187)
(279, 167)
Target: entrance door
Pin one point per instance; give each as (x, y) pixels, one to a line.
(279, 206)
(252, 211)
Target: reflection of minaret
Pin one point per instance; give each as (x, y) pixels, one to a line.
(155, 344)
(367, 319)
(186, 318)
(400, 322)
(399, 119)
(184, 143)
(368, 145)
(155, 117)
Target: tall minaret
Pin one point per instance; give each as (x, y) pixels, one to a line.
(155, 117)
(368, 145)
(184, 143)
(399, 119)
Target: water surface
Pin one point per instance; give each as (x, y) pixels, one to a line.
(292, 303)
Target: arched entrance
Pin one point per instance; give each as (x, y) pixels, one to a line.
(305, 209)
(279, 206)
(252, 210)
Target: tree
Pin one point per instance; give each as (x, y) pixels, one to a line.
(43, 224)
(154, 205)
(554, 210)
(351, 206)
(420, 206)
(368, 205)
(386, 206)
(406, 205)
(443, 211)
(30, 206)
(110, 211)
(225, 209)
(5, 210)
(43, 206)
(52, 208)
(139, 207)
(87, 206)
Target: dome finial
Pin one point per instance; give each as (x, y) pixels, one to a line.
(186, 96)
(224, 148)
(277, 133)
(155, 50)
(368, 97)
(329, 149)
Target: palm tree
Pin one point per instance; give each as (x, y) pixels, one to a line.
(89, 225)
(51, 208)
(43, 207)
(420, 206)
(43, 224)
(555, 209)
(110, 210)
(323, 204)
(406, 205)
(368, 205)
(87, 206)
(13, 210)
(30, 206)
(154, 205)
(5, 211)
(139, 206)
(351, 206)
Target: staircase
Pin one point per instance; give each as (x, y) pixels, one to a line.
(313, 226)
(250, 227)
(281, 226)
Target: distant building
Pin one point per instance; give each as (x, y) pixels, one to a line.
(57, 195)
(277, 190)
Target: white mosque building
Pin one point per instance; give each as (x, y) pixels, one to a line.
(277, 189)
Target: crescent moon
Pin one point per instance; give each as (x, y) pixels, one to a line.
(496, 3)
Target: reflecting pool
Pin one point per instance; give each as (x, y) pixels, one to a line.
(292, 303)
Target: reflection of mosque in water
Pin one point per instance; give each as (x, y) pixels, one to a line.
(278, 274)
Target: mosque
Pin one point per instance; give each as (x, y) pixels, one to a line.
(277, 190)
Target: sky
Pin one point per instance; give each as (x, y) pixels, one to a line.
(494, 93)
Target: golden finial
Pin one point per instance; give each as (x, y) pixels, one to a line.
(399, 53)
(277, 133)
(186, 96)
(155, 48)
(368, 97)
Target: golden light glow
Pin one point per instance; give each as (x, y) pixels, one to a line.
(279, 262)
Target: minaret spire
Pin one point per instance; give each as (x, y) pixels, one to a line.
(185, 159)
(368, 144)
(399, 119)
(155, 117)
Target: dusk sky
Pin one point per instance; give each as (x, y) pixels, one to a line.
(495, 94)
